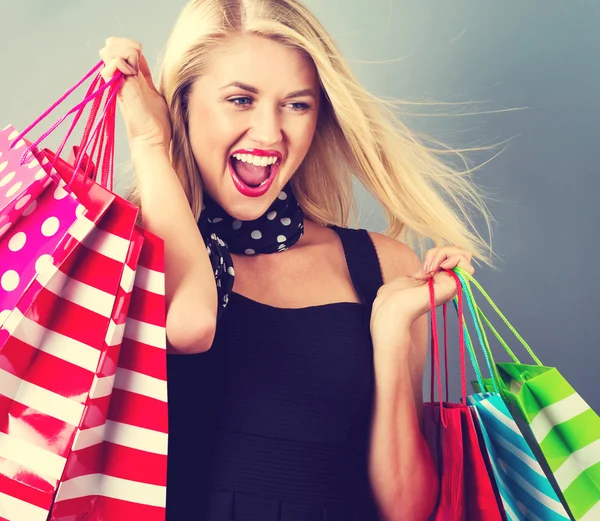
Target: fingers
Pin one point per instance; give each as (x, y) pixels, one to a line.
(458, 260)
(120, 54)
(446, 257)
(125, 55)
(434, 257)
(117, 64)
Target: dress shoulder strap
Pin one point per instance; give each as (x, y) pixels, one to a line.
(363, 262)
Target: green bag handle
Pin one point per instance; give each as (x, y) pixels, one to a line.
(481, 315)
(483, 341)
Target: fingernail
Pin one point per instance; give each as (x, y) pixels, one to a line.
(131, 69)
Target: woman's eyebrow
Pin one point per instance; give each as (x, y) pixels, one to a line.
(254, 90)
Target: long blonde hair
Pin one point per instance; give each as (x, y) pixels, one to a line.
(358, 135)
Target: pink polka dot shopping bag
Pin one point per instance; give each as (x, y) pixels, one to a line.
(83, 404)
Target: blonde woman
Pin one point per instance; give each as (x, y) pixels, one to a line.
(297, 392)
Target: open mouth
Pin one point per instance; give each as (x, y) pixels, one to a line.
(254, 171)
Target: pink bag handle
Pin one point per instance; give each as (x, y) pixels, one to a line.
(95, 94)
(92, 116)
(56, 103)
(81, 105)
(91, 94)
(98, 129)
(109, 156)
(87, 133)
(105, 154)
(106, 125)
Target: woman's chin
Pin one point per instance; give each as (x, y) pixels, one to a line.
(248, 208)
(240, 206)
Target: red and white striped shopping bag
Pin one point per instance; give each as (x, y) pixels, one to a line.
(48, 363)
(117, 470)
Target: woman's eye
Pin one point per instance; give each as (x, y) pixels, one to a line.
(246, 101)
(299, 107)
(241, 101)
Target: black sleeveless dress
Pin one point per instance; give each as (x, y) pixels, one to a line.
(272, 423)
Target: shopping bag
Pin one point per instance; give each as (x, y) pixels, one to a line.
(525, 491)
(124, 475)
(124, 448)
(442, 428)
(50, 349)
(467, 490)
(43, 229)
(559, 425)
(55, 350)
(38, 207)
(19, 184)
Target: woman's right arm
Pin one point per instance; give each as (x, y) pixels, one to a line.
(191, 293)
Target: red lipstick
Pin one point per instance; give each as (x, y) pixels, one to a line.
(251, 191)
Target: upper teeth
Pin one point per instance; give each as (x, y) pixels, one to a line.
(256, 160)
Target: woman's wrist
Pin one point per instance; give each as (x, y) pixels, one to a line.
(391, 346)
(145, 153)
(399, 330)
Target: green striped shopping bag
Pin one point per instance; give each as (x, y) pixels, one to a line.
(524, 488)
(557, 420)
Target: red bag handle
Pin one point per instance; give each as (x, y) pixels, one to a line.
(435, 355)
(461, 335)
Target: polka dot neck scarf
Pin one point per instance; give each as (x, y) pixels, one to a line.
(278, 229)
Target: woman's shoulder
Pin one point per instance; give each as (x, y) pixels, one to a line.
(396, 258)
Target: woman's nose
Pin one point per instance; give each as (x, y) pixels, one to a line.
(266, 127)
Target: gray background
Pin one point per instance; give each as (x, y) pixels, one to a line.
(539, 55)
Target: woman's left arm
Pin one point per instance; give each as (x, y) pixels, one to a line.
(402, 471)
(401, 468)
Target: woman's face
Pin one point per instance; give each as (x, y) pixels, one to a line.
(252, 118)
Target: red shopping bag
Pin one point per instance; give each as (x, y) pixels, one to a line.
(55, 352)
(442, 428)
(119, 457)
(124, 474)
(443, 431)
(483, 499)
(467, 491)
(118, 469)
